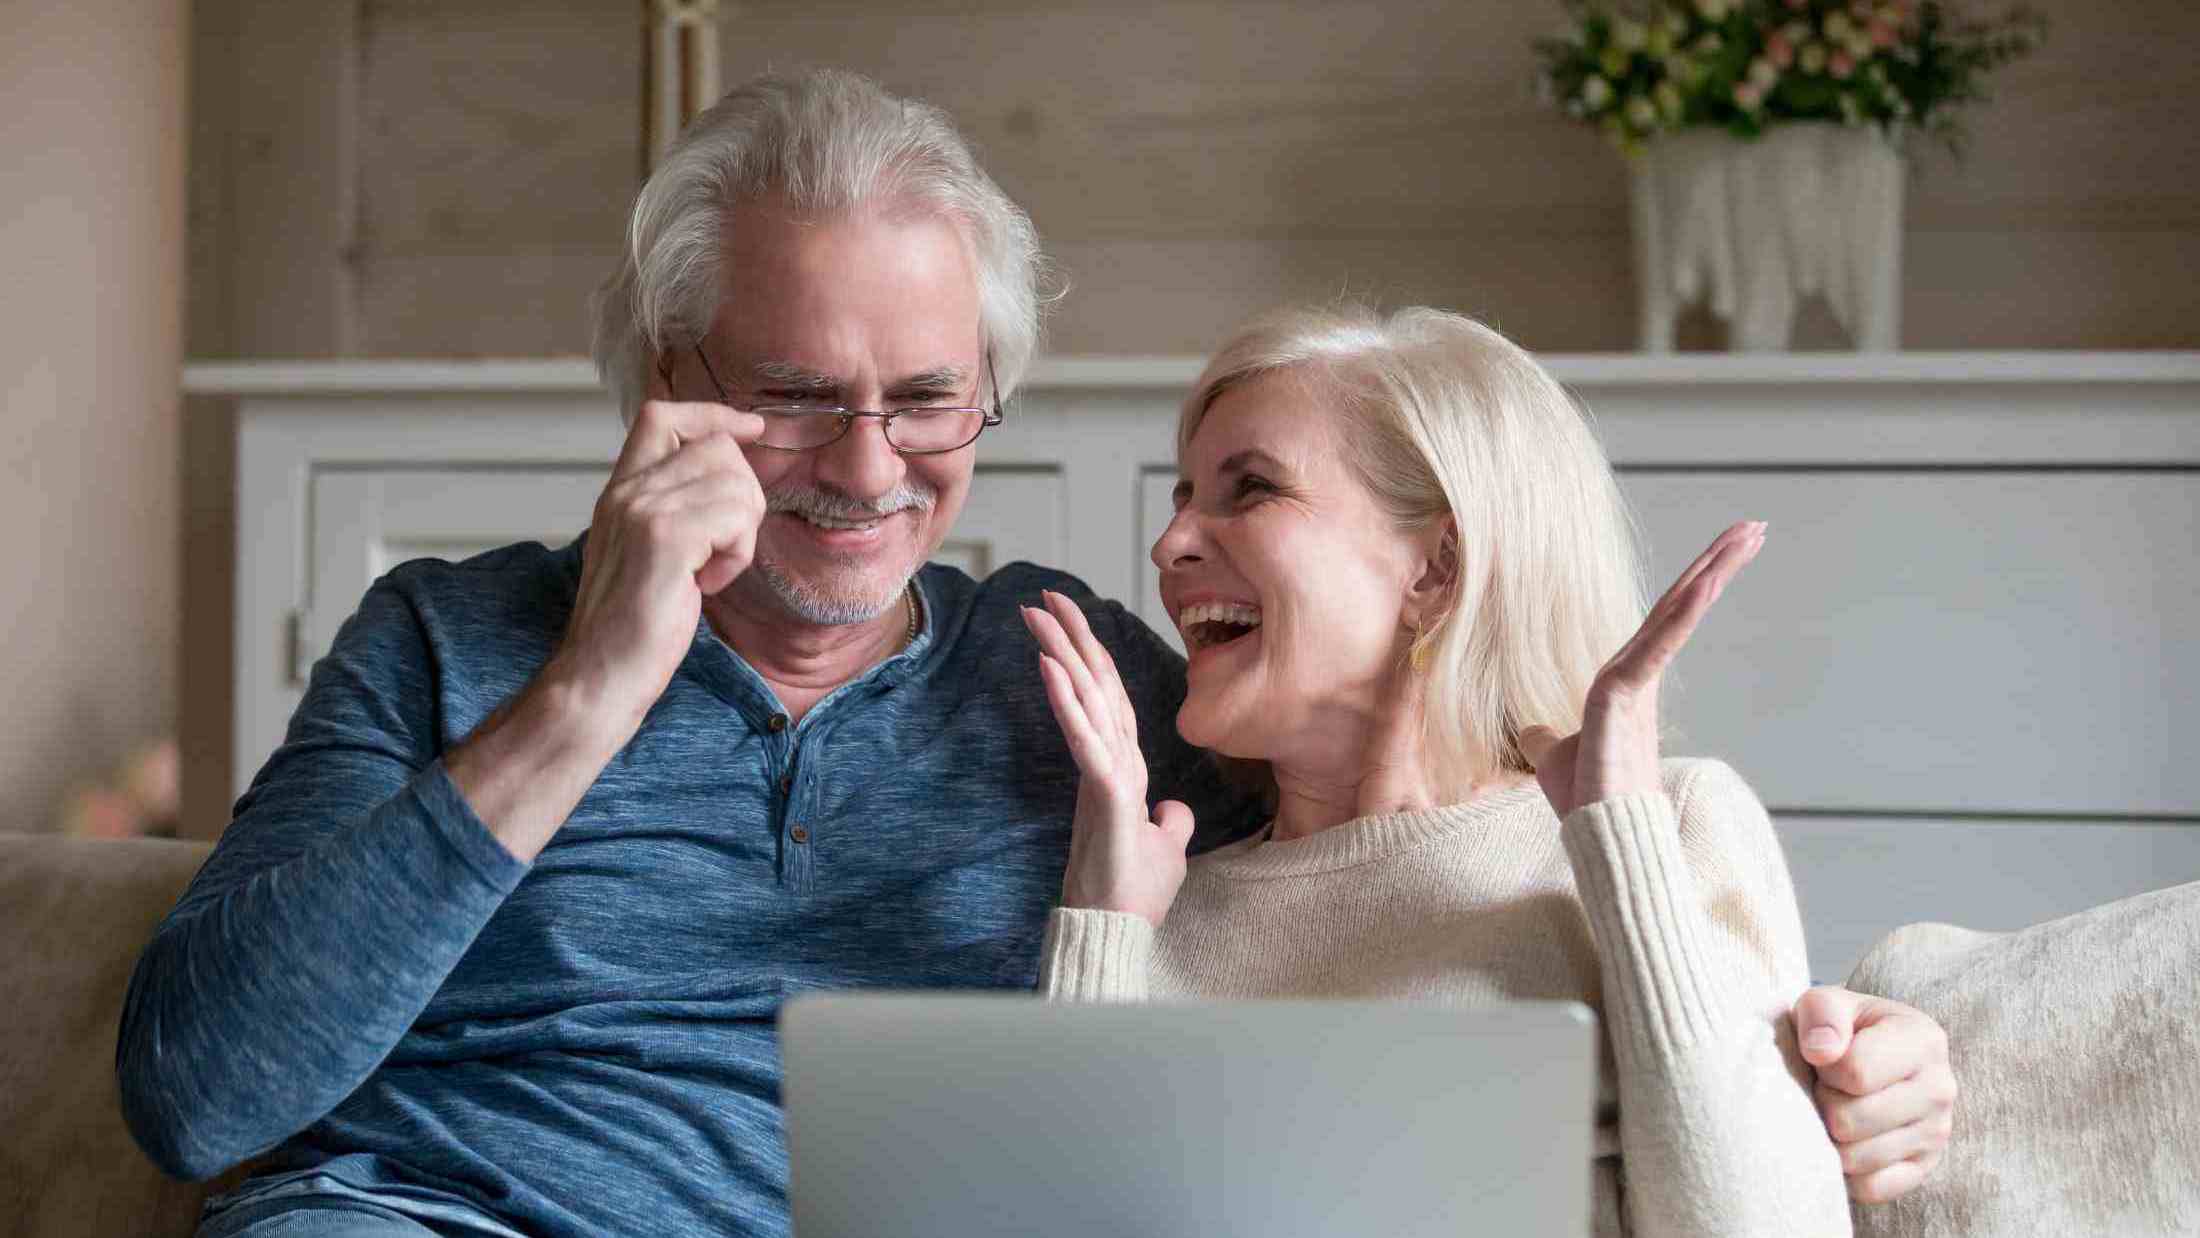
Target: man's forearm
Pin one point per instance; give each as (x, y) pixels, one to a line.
(254, 1011)
(528, 764)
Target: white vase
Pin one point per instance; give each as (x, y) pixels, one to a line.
(1757, 225)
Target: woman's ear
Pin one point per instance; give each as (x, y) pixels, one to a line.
(1430, 595)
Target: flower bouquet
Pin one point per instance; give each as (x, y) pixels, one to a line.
(1766, 136)
(1742, 65)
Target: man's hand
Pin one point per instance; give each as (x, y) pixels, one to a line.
(676, 522)
(1885, 1088)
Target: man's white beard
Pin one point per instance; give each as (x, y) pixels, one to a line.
(840, 597)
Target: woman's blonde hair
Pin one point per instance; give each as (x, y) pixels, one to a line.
(1444, 416)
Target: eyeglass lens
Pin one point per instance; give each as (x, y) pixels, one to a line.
(916, 429)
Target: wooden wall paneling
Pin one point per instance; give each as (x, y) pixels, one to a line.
(293, 179)
(1189, 164)
(1192, 163)
(498, 155)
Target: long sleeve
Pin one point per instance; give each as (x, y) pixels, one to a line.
(352, 880)
(1700, 949)
(1095, 956)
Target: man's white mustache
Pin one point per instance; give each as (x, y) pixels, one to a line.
(830, 506)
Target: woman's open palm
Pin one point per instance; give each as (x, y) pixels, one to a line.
(1616, 750)
(1121, 858)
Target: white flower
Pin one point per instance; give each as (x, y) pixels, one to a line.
(1670, 103)
(1838, 27)
(1629, 34)
(1641, 113)
(1813, 57)
(1763, 74)
(1713, 10)
(1860, 44)
(1710, 44)
(1595, 93)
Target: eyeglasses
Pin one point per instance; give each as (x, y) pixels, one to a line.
(920, 430)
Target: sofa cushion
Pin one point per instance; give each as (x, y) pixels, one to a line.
(74, 913)
(2076, 1046)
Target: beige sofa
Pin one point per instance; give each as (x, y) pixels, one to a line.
(2077, 1044)
(73, 915)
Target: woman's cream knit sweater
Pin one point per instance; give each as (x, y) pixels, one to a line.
(1670, 915)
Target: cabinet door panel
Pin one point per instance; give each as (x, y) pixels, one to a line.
(1013, 513)
(367, 521)
(1859, 879)
(1938, 641)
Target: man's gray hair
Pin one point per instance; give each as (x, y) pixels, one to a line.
(827, 141)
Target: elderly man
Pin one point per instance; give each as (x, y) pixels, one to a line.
(495, 942)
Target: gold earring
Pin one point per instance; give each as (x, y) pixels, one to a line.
(1417, 652)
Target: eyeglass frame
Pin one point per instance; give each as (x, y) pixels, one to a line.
(988, 418)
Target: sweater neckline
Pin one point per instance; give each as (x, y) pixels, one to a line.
(1365, 839)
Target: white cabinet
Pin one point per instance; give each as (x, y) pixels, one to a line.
(366, 520)
(1962, 674)
(1965, 641)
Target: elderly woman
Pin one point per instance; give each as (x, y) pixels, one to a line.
(1407, 582)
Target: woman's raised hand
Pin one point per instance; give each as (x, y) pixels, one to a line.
(1616, 750)
(1120, 858)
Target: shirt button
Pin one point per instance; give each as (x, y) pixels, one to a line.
(799, 834)
(778, 722)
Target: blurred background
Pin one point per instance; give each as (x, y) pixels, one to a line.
(257, 179)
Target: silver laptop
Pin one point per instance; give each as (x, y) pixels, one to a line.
(967, 1116)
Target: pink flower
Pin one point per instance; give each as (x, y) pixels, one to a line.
(1861, 10)
(1882, 34)
(1748, 97)
(1841, 65)
(1779, 51)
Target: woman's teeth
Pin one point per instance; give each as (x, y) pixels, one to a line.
(1216, 623)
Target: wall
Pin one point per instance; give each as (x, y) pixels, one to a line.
(404, 177)
(91, 239)
(1189, 163)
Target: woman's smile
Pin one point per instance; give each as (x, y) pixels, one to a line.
(1283, 576)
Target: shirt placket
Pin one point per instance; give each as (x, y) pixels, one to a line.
(792, 792)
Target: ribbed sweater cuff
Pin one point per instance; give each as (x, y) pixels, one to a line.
(1648, 922)
(1095, 956)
